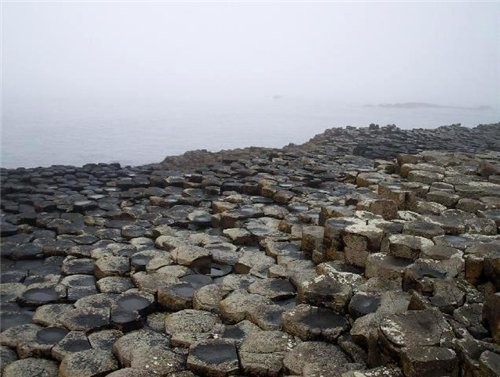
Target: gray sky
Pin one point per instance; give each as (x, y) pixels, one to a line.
(445, 53)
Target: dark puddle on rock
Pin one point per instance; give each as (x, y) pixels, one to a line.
(281, 285)
(215, 353)
(39, 296)
(233, 332)
(197, 280)
(29, 265)
(274, 316)
(11, 319)
(77, 345)
(139, 262)
(133, 303)
(361, 305)
(51, 335)
(123, 316)
(323, 319)
(183, 290)
(125, 320)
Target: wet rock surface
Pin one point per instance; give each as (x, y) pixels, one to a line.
(363, 252)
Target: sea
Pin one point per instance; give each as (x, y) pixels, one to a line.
(68, 132)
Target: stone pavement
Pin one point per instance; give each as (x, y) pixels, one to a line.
(363, 252)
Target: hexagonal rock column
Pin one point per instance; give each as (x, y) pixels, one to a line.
(318, 354)
(405, 245)
(262, 353)
(325, 290)
(213, 358)
(136, 341)
(386, 208)
(491, 315)
(386, 266)
(31, 367)
(237, 305)
(192, 256)
(311, 323)
(88, 363)
(312, 238)
(361, 239)
(408, 335)
(427, 361)
(189, 326)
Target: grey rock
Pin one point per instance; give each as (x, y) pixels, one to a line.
(436, 361)
(131, 372)
(321, 353)
(135, 341)
(114, 284)
(415, 328)
(17, 334)
(85, 319)
(88, 363)
(31, 367)
(325, 290)
(74, 341)
(104, 339)
(157, 360)
(267, 317)
(383, 265)
(239, 236)
(274, 289)
(235, 307)
(111, 266)
(253, 261)
(192, 256)
(312, 238)
(208, 297)
(262, 353)
(423, 229)
(490, 363)
(7, 356)
(177, 296)
(50, 315)
(216, 358)
(313, 323)
(405, 246)
(189, 326)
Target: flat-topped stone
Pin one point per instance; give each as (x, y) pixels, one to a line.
(313, 323)
(213, 358)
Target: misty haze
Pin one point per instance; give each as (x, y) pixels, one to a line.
(133, 83)
(271, 189)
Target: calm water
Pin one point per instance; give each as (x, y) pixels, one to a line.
(65, 132)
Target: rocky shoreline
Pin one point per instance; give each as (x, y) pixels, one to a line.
(363, 252)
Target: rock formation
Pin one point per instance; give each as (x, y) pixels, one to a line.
(363, 252)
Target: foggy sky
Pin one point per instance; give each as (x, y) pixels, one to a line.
(447, 54)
